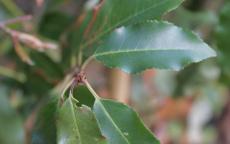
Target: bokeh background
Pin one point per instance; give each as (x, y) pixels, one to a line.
(187, 107)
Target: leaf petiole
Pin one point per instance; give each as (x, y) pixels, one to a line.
(86, 63)
(91, 89)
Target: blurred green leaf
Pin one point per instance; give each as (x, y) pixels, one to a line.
(44, 131)
(223, 43)
(44, 63)
(11, 7)
(53, 24)
(189, 19)
(37, 85)
(11, 126)
(3, 13)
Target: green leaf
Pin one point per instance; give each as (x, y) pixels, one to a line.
(77, 125)
(152, 45)
(120, 124)
(3, 13)
(223, 29)
(222, 38)
(11, 8)
(44, 131)
(53, 24)
(83, 95)
(11, 126)
(49, 67)
(116, 13)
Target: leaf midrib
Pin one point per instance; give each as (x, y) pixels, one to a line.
(75, 121)
(112, 121)
(123, 21)
(97, 54)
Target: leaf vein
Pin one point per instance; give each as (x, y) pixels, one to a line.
(112, 121)
(97, 54)
(123, 21)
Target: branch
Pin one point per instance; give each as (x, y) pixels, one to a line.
(16, 20)
(6, 72)
(24, 38)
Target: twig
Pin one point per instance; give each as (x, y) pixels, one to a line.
(16, 20)
(20, 52)
(96, 10)
(86, 63)
(79, 78)
(24, 38)
(6, 72)
(29, 40)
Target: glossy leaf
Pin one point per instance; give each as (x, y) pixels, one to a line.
(120, 124)
(152, 45)
(77, 125)
(110, 14)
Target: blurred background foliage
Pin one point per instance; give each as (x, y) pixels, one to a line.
(187, 107)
